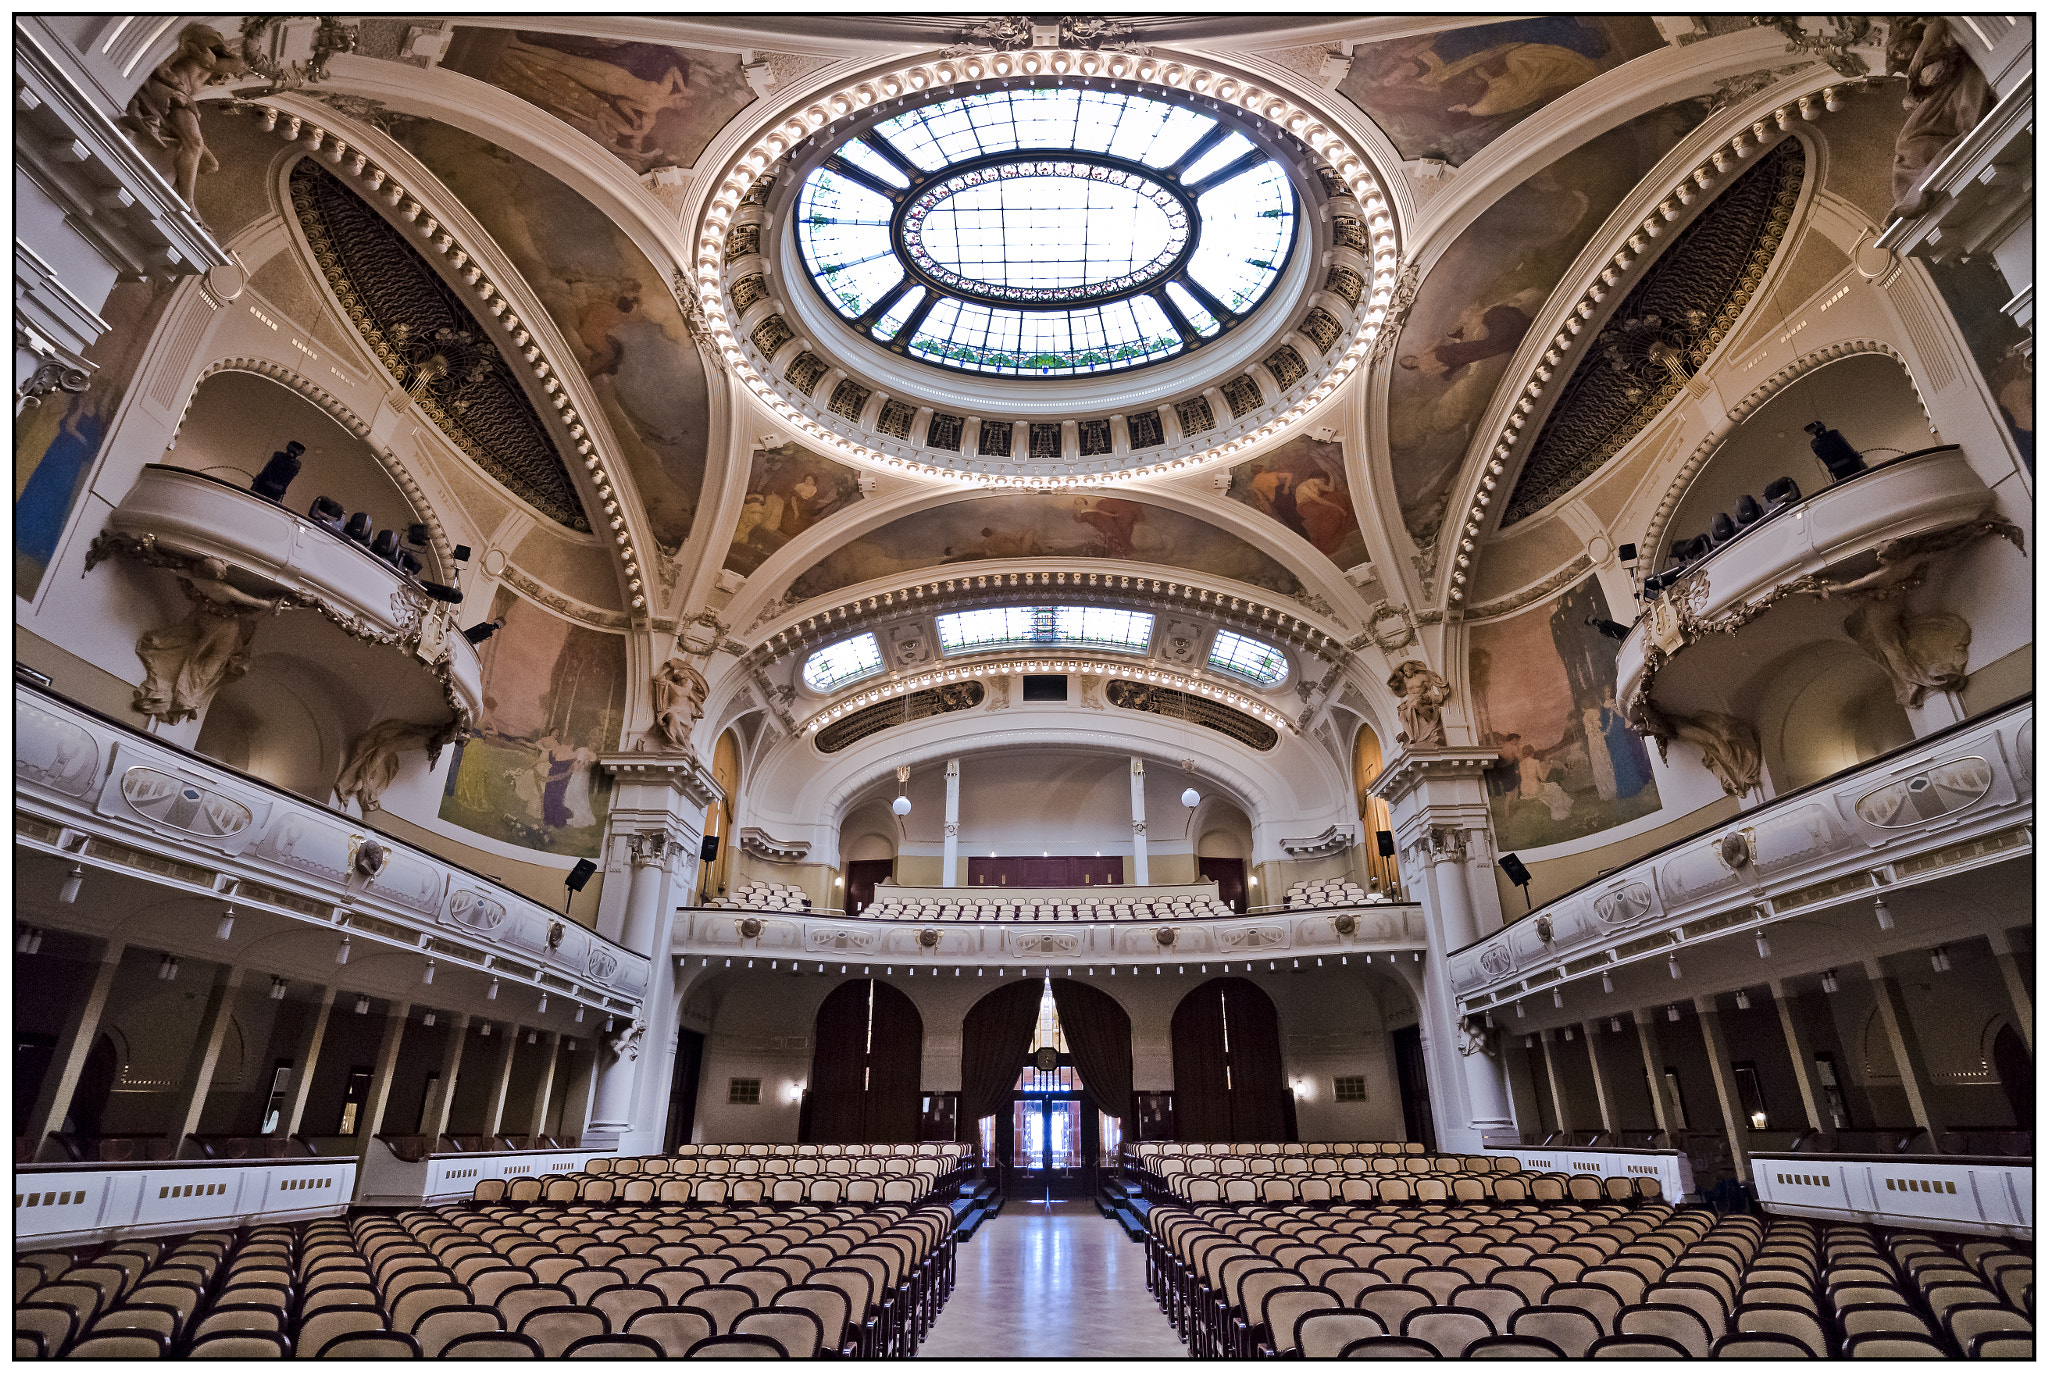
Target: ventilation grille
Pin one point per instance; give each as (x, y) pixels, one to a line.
(1146, 430)
(944, 432)
(806, 370)
(1195, 710)
(918, 705)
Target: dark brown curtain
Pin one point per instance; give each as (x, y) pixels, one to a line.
(993, 1039)
(1099, 1038)
(1227, 1079)
(865, 1064)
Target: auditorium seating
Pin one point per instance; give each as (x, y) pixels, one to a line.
(764, 896)
(1577, 1279)
(1324, 892)
(1021, 907)
(746, 1174)
(578, 1279)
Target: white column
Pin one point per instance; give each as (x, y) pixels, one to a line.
(1141, 871)
(1485, 1086)
(612, 1113)
(951, 874)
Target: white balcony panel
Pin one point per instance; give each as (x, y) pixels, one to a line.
(1671, 1167)
(438, 1179)
(76, 1204)
(1975, 1196)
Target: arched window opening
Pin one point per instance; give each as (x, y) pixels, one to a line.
(1383, 874)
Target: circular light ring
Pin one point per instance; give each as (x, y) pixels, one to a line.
(1351, 175)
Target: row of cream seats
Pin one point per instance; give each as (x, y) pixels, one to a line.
(1086, 910)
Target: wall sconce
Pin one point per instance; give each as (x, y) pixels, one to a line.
(532, 1038)
(226, 928)
(485, 1029)
(428, 1020)
(1741, 999)
(167, 968)
(1671, 1013)
(362, 1005)
(1567, 1034)
(1940, 960)
(29, 941)
(74, 880)
(277, 988)
(1614, 1024)
(1828, 983)
(1884, 915)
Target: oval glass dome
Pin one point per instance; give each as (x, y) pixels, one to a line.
(1046, 231)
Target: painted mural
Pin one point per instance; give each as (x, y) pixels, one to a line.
(554, 698)
(1447, 95)
(1302, 485)
(1976, 294)
(789, 489)
(1036, 526)
(649, 104)
(607, 299)
(1481, 296)
(57, 441)
(1543, 695)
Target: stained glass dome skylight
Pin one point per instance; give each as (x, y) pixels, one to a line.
(1046, 231)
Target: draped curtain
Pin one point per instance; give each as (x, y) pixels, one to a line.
(1099, 1039)
(1227, 1079)
(865, 1073)
(993, 1039)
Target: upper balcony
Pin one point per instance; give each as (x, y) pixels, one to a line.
(968, 927)
(1946, 808)
(274, 553)
(1696, 636)
(97, 796)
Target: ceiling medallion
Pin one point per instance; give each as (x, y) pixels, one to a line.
(1349, 174)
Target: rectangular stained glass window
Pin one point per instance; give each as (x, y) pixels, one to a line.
(1031, 626)
(1248, 658)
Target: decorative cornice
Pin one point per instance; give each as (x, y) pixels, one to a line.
(761, 844)
(681, 772)
(1415, 765)
(1335, 839)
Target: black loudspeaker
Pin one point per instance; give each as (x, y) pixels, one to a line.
(580, 874)
(1512, 866)
(707, 852)
(1386, 838)
(1627, 553)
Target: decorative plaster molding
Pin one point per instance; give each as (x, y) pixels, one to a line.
(761, 844)
(1335, 839)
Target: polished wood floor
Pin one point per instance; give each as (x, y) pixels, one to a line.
(1053, 1281)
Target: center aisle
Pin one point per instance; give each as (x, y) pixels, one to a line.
(1051, 1282)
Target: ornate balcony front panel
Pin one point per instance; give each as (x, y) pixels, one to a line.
(176, 512)
(1950, 802)
(1983, 1196)
(95, 793)
(1898, 511)
(69, 1204)
(1384, 928)
(443, 1179)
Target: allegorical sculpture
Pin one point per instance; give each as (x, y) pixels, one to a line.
(1728, 746)
(679, 692)
(377, 753)
(165, 111)
(186, 663)
(1945, 98)
(1422, 694)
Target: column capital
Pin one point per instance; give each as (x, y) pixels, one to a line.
(1412, 767)
(651, 774)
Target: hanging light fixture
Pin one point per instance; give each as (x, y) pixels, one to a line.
(1828, 983)
(1557, 997)
(166, 968)
(1671, 962)
(74, 880)
(1671, 1013)
(1763, 945)
(427, 977)
(1520, 1014)
(362, 1005)
(1606, 983)
(1940, 960)
(29, 941)
(428, 1020)
(543, 1004)
(492, 994)
(226, 928)
(1614, 1024)
(579, 1013)
(1741, 999)
(901, 805)
(341, 950)
(485, 1031)
(1884, 915)
(277, 988)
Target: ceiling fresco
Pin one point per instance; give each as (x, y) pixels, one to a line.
(789, 490)
(1302, 485)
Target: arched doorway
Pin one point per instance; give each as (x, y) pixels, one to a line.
(1382, 874)
(866, 1061)
(718, 816)
(1227, 1080)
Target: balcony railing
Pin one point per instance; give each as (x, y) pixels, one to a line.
(1922, 493)
(94, 792)
(172, 510)
(1945, 803)
(63, 1205)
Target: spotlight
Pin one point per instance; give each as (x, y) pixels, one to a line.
(385, 545)
(427, 977)
(1828, 983)
(476, 634)
(1834, 452)
(359, 527)
(1606, 983)
(1671, 962)
(277, 474)
(68, 893)
(1671, 1013)
(1763, 945)
(492, 994)
(226, 928)
(341, 950)
(277, 988)
(461, 553)
(326, 512)
(1884, 915)
(1741, 999)
(362, 1005)
(438, 591)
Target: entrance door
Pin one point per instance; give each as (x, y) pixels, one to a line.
(1228, 875)
(1055, 1134)
(1414, 1078)
(861, 876)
